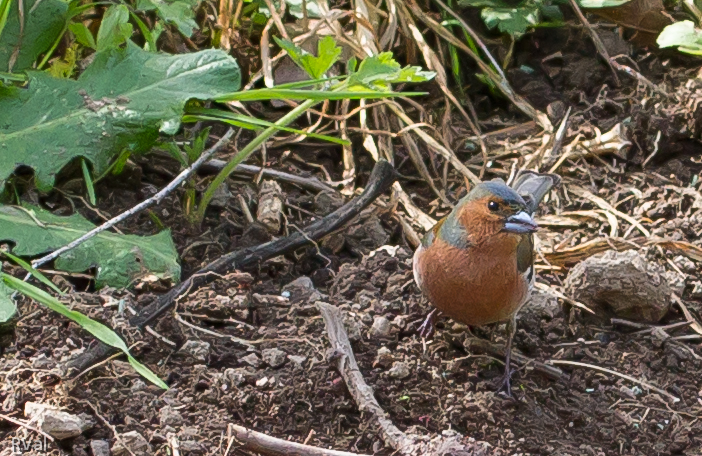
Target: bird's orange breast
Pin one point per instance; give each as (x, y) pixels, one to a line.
(476, 285)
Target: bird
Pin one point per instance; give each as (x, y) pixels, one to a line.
(476, 265)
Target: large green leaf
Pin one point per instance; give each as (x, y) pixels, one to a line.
(684, 35)
(315, 66)
(178, 12)
(26, 36)
(119, 259)
(7, 306)
(122, 100)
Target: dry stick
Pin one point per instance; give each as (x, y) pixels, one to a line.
(157, 198)
(610, 371)
(497, 78)
(473, 344)
(265, 444)
(596, 40)
(359, 389)
(380, 180)
(436, 146)
(25, 425)
(214, 166)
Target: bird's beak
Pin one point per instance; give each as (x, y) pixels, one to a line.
(521, 223)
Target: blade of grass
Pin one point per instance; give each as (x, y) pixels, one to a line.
(88, 182)
(28, 267)
(4, 12)
(312, 95)
(97, 329)
(250, 123)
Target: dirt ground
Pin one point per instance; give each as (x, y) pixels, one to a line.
(282, 384)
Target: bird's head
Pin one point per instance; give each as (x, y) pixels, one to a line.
(493, 207)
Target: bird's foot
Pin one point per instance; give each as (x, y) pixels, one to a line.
(504, 385)
(427, 328)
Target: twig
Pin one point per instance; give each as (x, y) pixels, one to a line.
(359, 389)
(596, 40)
(380, 180)
(312, 183)
(265, 444)
(610, 371)
(141, 206)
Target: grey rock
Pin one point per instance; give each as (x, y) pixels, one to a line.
(135, 442)
(301, 289)
(197, 349)
(623, 283)
(274, 357)
(381, 327)
(137, 385)
(100, 447)
(43, 362)
(298, 360)
(58, 424)
(696, 292)
(252, 359)
(399, 370)
(221, 196)
(384, 357)
(685, 264)
(168, 416)
(234, 377)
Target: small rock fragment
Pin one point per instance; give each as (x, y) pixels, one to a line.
(100, 447)
(301, 289)
(270, 206)
(252, 359)
(274, 357)
(384, 357)
(623, 283)
(696, 292)
(381, 327)
(299, 360)
(399, 370)
(221, 196)
(197, 349)
(685, 264)
(234, 377)
(137, 385)
(168, 416)
(134, 442)
(60, 425)
(191, 447)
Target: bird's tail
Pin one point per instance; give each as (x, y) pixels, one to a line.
(533, 187)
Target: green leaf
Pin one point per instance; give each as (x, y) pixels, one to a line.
(294, 8)
(379, 71)
(327, 55)
(514, 21)
(286, 94)
(7, 307)
(115, 28)
(684, 35)
(41, 24)
(97, 329)
(119, 259)
(83, 34)
(178, 12)
(121, 101)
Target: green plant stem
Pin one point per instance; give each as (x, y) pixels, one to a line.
(251, 147)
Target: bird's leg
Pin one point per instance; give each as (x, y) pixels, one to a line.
(506, 379)
(428, 325)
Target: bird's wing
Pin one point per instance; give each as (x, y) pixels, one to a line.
(533, 187)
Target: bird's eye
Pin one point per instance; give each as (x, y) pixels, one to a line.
(493, 206)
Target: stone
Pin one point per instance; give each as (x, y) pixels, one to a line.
(197, 349)
(58, 424)
(381, 327)
(542, 304)
(399, 370)
(300, 289)
(221, 196)
(298, 360)
(696, 292)
(134, 442)
(100, 447)
(274, 357)
(168, 416)
(270, 206)
(622, 283)
(234, 377)
(384, 357)
(252, 359)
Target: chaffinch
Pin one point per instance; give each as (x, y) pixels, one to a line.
(476, 265)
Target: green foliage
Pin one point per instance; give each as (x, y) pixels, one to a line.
(8, 310)
(516, 19)
(25, 37)
(601, 3)
(379, 71)
(121, 101)
(100, 331)
(683, 35)
(119, 259)
(115, 28)
(178, 12)
(294, 7)
(327, 55)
